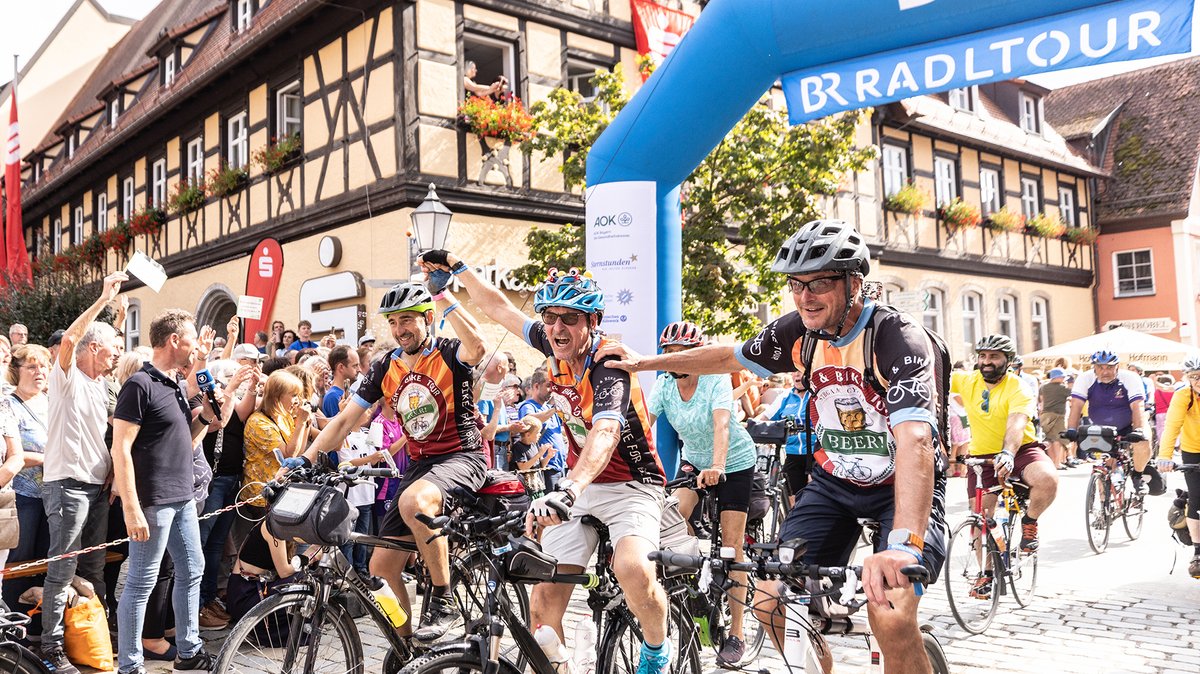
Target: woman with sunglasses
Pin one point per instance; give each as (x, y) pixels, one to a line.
(1183, 424)
(700, 408)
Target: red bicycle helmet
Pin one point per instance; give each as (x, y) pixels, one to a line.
(681, 333)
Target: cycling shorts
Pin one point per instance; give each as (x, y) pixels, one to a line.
(827, 511)
(446, 472)
(1026, 455)
(732, 494)
(626, 508)
(796, 469)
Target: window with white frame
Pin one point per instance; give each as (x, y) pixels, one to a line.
(169, 70)
(972, 319)
(245, 13)
(889, 292)
(1006, 317)
(579, 79)
(1031, 112)
(70, 144)
(989, 191)
(56, 236)
(127, 198)
(158, 183)
(962, 99)
(133, 327)
(195, 161)
(77, 227)
(493, 59)
(945, 174)
(101, 212)
(935, 306)
(895, 168)
(1066, 205)
(114, 110)
(289, 111)
(1030, 199)
(1134, 273)
(237, 153)
(1039, 322)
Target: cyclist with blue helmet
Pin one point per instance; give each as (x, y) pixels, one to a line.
(614, 472)
(1116, 398)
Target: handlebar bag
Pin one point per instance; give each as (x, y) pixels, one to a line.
(769, 432)
(526, 562)
(313, 514)
(1097, 438)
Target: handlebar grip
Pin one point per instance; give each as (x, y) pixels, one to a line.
(564, 513)
(916, 573)
(378, 472)
(433, 522)
(668, 558)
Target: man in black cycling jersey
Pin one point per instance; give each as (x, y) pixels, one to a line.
(877, 455)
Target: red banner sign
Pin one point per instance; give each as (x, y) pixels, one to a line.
(658, 29)
(262, 280)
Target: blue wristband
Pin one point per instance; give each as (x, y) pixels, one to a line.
(905, 547)
(450, 309)
(459, 268)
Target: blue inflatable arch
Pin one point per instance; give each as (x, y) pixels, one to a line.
(830, 56)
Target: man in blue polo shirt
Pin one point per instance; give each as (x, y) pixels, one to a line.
(303, 337)
(538, 405)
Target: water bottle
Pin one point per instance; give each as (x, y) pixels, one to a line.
(1118, 476)
(583, 654)
(998, 529)
(387, 601)
(548, 639)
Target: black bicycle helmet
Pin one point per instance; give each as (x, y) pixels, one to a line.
(824, 245)
(406, 297)
(1001, 343)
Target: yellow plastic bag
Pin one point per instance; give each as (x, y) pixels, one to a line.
(86, 639)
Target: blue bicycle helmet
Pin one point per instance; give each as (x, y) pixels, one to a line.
(573, 290)
(1105, 358)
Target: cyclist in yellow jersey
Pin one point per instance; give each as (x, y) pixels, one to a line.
(1183, 423)
(1000, 410)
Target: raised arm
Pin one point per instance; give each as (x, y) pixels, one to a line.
(112, 287)
(487, 296)
(473, 347)
(711, 359)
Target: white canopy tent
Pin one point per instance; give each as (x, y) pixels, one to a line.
(1154, 353)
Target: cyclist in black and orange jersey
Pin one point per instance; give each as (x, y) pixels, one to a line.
(614, 471)
(427, 381)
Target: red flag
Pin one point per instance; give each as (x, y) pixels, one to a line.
(658, 29)
(16, 257)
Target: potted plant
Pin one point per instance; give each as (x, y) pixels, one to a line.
(958, 215)
(485, 117)
(147, 221)
(187, 197)
(92, 251)
(225, 180)
(1005, 220)
(1081, 235)
(278, 153)
(116, 238)
(907, 199)
(1046, 226)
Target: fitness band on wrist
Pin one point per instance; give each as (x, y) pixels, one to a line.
(459, 268)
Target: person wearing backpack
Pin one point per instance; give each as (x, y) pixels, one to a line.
(879, 384)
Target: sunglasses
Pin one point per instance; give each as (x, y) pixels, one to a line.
(817, 286)
(567, 319)
(986, 400)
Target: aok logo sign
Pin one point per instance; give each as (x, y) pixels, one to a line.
(622, 219)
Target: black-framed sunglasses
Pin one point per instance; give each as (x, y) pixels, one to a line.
(572, 318)
(817, 286)
(986, 400)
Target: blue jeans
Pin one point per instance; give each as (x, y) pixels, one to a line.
(214, 531)
(173, 528)
(32, 545)
(77, 513)
(356, 553)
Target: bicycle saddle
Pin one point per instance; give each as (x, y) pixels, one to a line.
(600, 527)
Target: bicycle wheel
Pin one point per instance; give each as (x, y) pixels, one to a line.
(1021, 567)
(1099, 520)
(16, 659)
(621, 648)
(277, 635)
(454, 662)
(470, 581)
(933, 651)
(967, 557)
(1134, 510)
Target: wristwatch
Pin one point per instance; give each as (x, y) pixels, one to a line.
(905, 537)
(567, 486)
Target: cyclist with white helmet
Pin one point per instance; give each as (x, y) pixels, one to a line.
(614, 472)
(1115, 398)
(879, 404)
(1183, 424)
(1000, 411)
(700, 409)
(427, 380)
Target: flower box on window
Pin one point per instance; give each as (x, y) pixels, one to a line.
(187, 197)
(907, 199)
(279, 153)
(1005, 220)
(147, 221)
(1081, 235)
(507, 119)
(116, 238)
(225, 180)
(959, 215)
(1046, 226)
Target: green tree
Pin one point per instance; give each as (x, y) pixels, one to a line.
(52, 302)
(754, 189)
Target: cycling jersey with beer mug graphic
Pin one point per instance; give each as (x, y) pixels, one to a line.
(853, 422)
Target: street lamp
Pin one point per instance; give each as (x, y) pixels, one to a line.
(431, 222)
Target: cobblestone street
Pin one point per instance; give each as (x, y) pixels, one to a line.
(1122, 611)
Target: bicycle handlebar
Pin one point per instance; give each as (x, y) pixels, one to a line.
(914, 572)
(689, 482)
